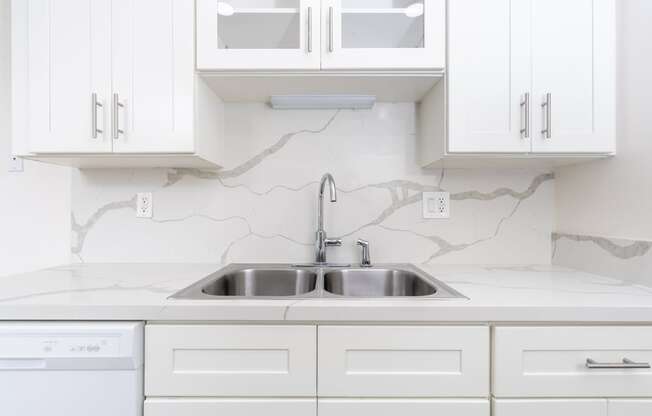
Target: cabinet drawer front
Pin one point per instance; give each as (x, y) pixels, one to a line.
(570, 407)
(230, 407)
(403, 361)
(411, 407)
(219, 361)
(552, 362)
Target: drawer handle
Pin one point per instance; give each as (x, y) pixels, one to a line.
(627, 363)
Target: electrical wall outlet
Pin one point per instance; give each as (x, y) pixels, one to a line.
(144, 205)
(436, 205)
(15, 164)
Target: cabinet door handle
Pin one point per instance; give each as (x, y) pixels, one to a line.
(117, 105)
(330, 29)
(625, 364)
(525, 116)
(546, 106)
(95, 105)
(309, 29)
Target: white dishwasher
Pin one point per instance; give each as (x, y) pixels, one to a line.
(71, 369)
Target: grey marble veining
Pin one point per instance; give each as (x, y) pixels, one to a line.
(261, 208)
(629, 260)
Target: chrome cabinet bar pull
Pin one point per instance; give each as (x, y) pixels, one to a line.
(330, 29)
(94, 107)
(525, 116)
(547, 114)
(625, 364)
(117, 105)
(309, 29)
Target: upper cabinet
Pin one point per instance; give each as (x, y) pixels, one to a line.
(143, 82)
(110, 83)
(244, 35)
(573, 76)
(258, 34)
(383, 34)
(525, 79)
(61, 75)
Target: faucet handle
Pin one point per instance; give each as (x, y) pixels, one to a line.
(366, 258)
(330, 242)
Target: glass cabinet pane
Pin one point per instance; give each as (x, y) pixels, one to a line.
(259, 24)
(382, 24)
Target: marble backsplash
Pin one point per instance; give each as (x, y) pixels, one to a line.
(628, 260)
(262, 206)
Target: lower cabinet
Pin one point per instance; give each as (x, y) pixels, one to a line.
(630, 407)
(230, 407)
(407, 407)
(572, 407)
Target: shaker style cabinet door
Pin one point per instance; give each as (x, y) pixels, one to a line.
(403, 361)
(632, 407)
(489, 76)
(61, 74)
(258, 34)
(383, 34)
(570, 407)
(230, 361)
(230, 407)
(411, 407)
(573, 47)
(152, 104)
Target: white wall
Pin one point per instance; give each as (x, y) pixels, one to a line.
(613, 198)
(35, 207)
(604, 209)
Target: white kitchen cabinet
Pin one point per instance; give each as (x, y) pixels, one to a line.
(489, 58)
(261, 35)
(412, 407)
(111, 83)
(230, 361)
(67, 45)
(258, 34)
(383, 34)
(153, 76)
(396, 361)
(573, 62)
(525, 79)
(547, 407)
(230, 407)
(572, 407)
(570, 361)
(630, 407)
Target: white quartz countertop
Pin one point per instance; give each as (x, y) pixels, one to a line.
(496, 294)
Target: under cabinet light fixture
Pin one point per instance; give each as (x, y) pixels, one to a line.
(322, 102)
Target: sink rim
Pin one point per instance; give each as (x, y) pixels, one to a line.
(195, 290)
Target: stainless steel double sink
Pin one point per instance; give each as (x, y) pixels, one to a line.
(274, 281)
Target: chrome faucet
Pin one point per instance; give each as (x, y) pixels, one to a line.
(366, 258)
(322, 240)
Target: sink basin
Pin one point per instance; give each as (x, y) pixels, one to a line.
(377, 283)
(260, 282)
(274, 281)
(253, 281)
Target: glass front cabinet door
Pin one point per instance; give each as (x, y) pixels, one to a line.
(258, 34)
(383, 34)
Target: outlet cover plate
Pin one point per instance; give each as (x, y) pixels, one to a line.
(436, 205)
(144, 205)
(15, 164)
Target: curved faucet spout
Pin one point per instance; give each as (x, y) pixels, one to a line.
(331, 185)
(322, 241)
